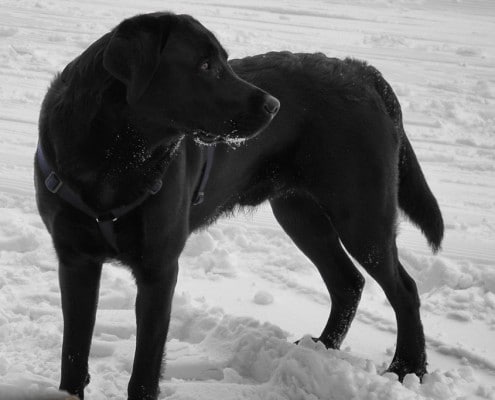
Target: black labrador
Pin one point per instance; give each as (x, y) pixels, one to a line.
(125, 171)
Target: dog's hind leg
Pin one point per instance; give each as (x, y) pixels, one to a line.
(370, 239)
(312, 231)
(79, 283)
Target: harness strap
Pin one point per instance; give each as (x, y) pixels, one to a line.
(106, 221)
(199, 195)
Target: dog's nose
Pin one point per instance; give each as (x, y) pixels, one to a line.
(272, 105)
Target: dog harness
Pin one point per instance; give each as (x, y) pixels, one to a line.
(106, 221)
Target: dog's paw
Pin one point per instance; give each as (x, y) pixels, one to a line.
(401, 369)
(328, 344)
(316, 340)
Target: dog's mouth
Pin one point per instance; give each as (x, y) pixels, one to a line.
(205, 138)
(238, 132)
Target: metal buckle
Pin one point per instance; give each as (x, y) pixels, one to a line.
(106, 218)
(157, 185)
(199, 198)
(53, 183)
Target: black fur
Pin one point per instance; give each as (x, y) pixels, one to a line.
(334, 163)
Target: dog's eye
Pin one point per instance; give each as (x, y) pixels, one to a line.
(205, 66)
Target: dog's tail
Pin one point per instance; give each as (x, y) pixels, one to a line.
(415, 197)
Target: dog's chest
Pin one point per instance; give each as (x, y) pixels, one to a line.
(129, 168)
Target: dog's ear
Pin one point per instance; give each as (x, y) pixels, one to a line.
(133, 53)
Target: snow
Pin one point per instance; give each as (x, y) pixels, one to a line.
(245, 293)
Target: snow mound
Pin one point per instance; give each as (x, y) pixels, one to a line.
(263, 298)
(254, 360)
(458, 289)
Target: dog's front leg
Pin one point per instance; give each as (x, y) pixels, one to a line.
(79, 283)
(155, 288)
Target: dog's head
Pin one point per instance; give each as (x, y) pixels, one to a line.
(175, 70)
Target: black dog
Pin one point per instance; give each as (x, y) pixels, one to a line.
(139, 108)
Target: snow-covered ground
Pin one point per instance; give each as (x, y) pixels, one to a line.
(245, 292)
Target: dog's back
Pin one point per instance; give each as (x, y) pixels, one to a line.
(332, 92)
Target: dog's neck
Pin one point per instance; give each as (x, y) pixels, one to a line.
(110, 162)
(130, 165)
